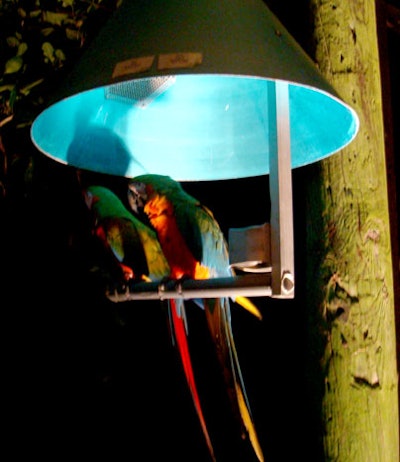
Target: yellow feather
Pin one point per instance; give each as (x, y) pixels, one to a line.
(249, 424)
(249, 306)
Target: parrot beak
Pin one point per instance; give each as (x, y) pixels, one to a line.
(137, 196)
(89, 199)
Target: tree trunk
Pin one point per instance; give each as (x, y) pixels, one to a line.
(349, 272)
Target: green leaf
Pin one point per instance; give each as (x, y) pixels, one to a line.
(13, 65)
(67, 3)
(59, 54)
(22, 47)
(26, 90)
(35, 14)
(54, 18)
(48, 51)
(21, 13)
(47, 31)
(73, 34)
(6, 87)
(13, 97)
(12, 42)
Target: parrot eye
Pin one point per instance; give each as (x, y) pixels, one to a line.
(137, 196)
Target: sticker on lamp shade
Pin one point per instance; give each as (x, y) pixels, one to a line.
(132, 66)
(179, 60)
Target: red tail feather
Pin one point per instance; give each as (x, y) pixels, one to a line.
(179, 329)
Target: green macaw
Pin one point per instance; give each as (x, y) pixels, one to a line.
(129, 242)
(137, 251)
(195, 248)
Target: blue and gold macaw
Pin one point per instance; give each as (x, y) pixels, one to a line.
(195, 248)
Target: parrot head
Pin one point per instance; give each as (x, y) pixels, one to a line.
(91, 200)
(137, 196)
(143, 188)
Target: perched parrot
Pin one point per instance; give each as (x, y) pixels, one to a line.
(195, 248)
(137, 251)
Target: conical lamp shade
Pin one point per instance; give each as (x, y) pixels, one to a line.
(183, 88)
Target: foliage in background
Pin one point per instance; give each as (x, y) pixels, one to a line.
(40, 40)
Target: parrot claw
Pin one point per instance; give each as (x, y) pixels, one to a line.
(179, 307)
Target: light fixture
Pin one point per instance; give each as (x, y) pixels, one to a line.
(201, 90)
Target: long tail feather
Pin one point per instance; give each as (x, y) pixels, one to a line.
(179, 327)
(249, 306)
(219, 322)
(243, 401)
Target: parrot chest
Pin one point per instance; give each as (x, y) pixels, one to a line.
(173, 244)
(176, 252)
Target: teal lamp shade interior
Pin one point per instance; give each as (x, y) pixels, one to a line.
(210, 119)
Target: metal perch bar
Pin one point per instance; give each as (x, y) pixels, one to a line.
(254, 285)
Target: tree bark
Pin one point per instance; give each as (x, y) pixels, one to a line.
(349, 272)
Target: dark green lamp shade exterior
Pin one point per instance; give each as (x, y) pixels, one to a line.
(187, 89)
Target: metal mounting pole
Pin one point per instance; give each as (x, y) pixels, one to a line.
(282, 247)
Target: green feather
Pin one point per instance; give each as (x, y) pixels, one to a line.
(132, 242)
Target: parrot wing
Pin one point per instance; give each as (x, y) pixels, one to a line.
(215, 257)
(117, 236)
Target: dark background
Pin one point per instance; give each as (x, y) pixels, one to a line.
(85, 377)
